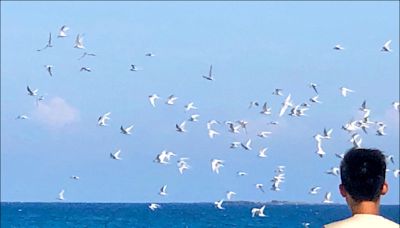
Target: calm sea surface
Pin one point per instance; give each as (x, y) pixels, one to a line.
(172, 215)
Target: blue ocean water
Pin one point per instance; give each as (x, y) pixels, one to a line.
(173, 215)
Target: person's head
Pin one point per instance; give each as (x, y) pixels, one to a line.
(362, 172)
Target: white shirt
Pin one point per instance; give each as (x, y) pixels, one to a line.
(364, 221)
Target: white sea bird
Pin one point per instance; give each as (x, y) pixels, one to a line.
(48, 45)
(314, 190)
(209, 76)
(194, 117)
(134, 67)
(285, 105)
(258, 212)
(356, 140)
(253, 103)
(32, 92)
(261, 187)
(48, 68)
(389, 158)
(381, 130)
(181, 127)
(341, 156)
(212, 133)
(79, 42)
(314, 87)
(164, 157)
(396, 105)
(232, 128)
(305, 224)
(338, 47)
(126, 131)
(75, 177)
(275, 186)
(333, 171)
(153, 98)
(229, 194)
(171, 100)
(63, 31)
(101, 121)
(277, 92)
(115, 155)
(234, 145)
(154, 206)
(182, 165)
(87, 69)
(61, 195)
(163, 191)
(216, 164)
(320, 151)
(315, 99)
(86, 54)
(262, 153)
(344, 91)
(149, 54)
(266, 110)
(22, 117)
(328, 198)
(386, 46)
(327, 133)
(190, 106)
(264, 134)
(246, 146)
(396, 173)
(218, 204)
(241, 173)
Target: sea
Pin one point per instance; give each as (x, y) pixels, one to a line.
(235, 214)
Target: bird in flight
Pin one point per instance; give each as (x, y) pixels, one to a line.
(48, 45)
(209, 76)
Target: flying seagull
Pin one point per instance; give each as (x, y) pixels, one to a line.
(338, 47)
(209, 76)
(63, 31)
(328, 198)
(87, 69)
(218, 204)
(171, 100)
(101, 121)
(229, 194)
(181, 127)
(126, 131)
(258, 211)
(86, 54)
(79, 42)
(163, 191)
(115, 155)
(48, 68)
(153, 98)
(285, 105)
(314, 87)
(22, 117)
(314, 190)
(386, 46)
(32, 92)
(154, 206)
(344, 91)
(216, 164)
(246, 146)
(61, 195)
(278, 92)
(48, 45)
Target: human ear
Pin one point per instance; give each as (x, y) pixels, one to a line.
(385, 188)
(342, 190)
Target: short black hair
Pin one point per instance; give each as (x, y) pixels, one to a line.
(363, 173)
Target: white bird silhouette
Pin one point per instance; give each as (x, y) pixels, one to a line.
(212, 133)
(153, 98)
(333, 171)
(134, 67)
(264, 134)
(258, 212)
(344, 91)
(61, 195)
(154, 206)
(190, 106)
(247, 145)
(79, 42)
(194, 117)
(278, 92)
(327, 198)
(126, 131)
(163, 191)
(315, 99)
(181, 127)
(229, 194)
(149, 54)
(209, 76)
(266, 110)
(262, 153)
(234, 145)
(314, 190)
(87, 69)
(285, 105)
(396, 105)
(216, 164)
(115, 155)
(22, 117)
(86, 54)
(218, 204)
(171, 100)
(32, 92)
(338, 47)
(314, 87)
(253, 103)
(386, 46)
(48, 45)
(101, 121)
(75, 177)
(241, 173)
(261, 187)
(63, 31)
(48, 68)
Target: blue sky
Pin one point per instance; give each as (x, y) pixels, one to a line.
(254, 47)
